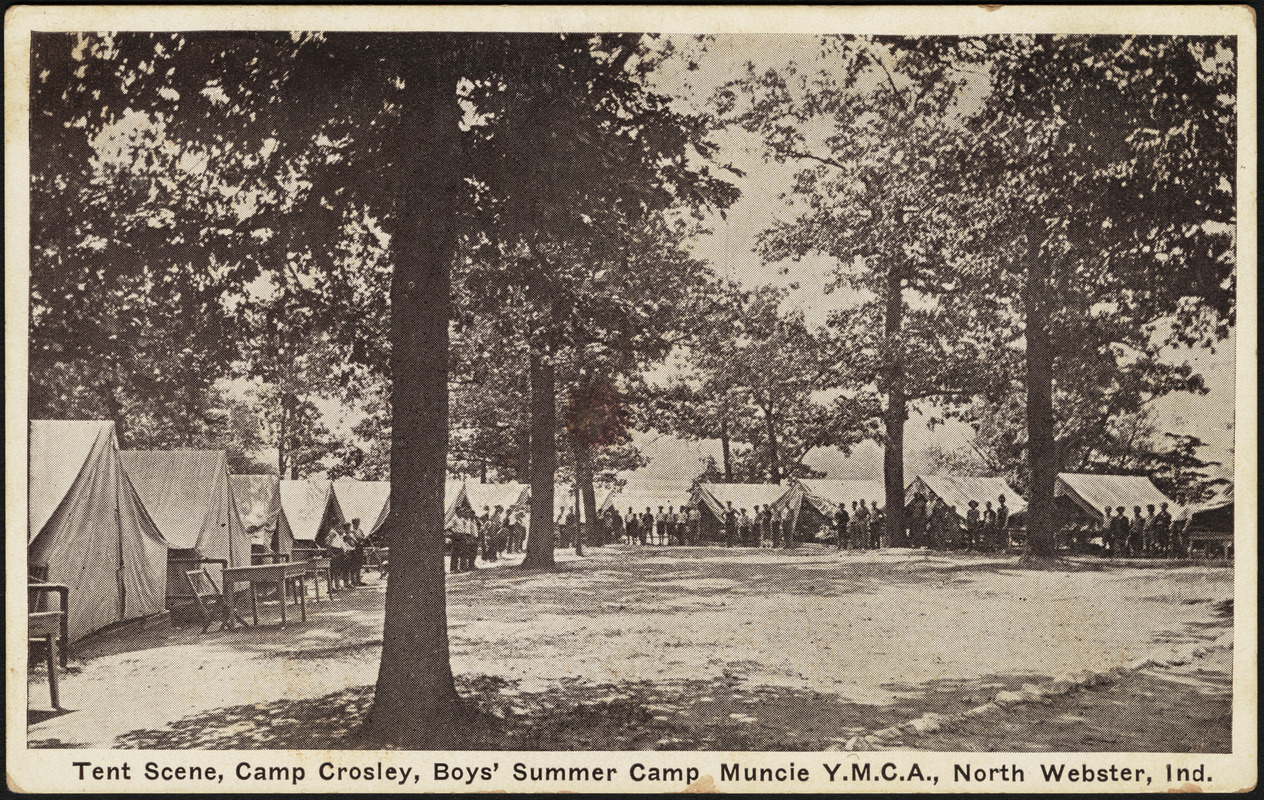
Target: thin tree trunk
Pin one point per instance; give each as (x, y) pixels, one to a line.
(773, 454)
(587, 494)
(896, 413)
(416, 697)
(581, 524)
(724, 447)
(281, 438)
(543, 461)
(1041, 453)
(121, 432)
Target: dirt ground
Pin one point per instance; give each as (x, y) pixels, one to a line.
(698, 649)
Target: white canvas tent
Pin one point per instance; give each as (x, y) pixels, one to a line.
(959, 491)
(813, 501)
(711, 499)
(454, 498)
(258, 499)
(1209, 525)
(1088, 496)
(367, 501)
(646, 494)
(564, 501)
(311, 508)
(87, 528)
(506, 495)
(187, 495)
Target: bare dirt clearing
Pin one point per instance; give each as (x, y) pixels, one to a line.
(697, 648)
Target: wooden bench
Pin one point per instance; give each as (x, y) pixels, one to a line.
(51, 627)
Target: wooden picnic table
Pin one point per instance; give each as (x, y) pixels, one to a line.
(278, 575)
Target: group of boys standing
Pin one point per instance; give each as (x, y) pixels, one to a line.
(862, 528)
(346, 543)
(1154, 534)
(493, 534)
(671, 525)
(768, 527)
(931, 524)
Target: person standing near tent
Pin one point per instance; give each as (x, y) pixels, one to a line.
(1148, 544)
(877, 527)
(632, 525)
(1136, 532)
(973, 524)
(989, 527)
(613, 526)
(519, 528)
(456, 532)
(862, 526)
(916, 520)
(491, 534)
(1119, 531)
(1163, 531)
(730, 523)
(646, 528)
(1002, 524)
(339, 542)
(695, 522)
(939, 525)
(787, 528)
(484, 526)
(1107, 532)
(566, 531)
(841, 520)
(357, 540)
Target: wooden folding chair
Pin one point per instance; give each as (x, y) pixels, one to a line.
(51, 627)
(209, 599)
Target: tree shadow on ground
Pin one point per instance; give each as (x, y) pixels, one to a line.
(1138, 713)
(722, 715)
(35, 716)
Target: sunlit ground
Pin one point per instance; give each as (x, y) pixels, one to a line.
(698, 648)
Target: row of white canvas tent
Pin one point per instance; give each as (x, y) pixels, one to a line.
(120, 528)
(1080, 498)
(110, 523)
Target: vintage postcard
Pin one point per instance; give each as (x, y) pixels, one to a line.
(631, 399)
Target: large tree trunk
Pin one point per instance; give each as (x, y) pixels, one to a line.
(896, 413)
(1041, 452)
(543, 461)
(416, 695)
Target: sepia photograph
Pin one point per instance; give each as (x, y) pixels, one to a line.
(717, 407)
